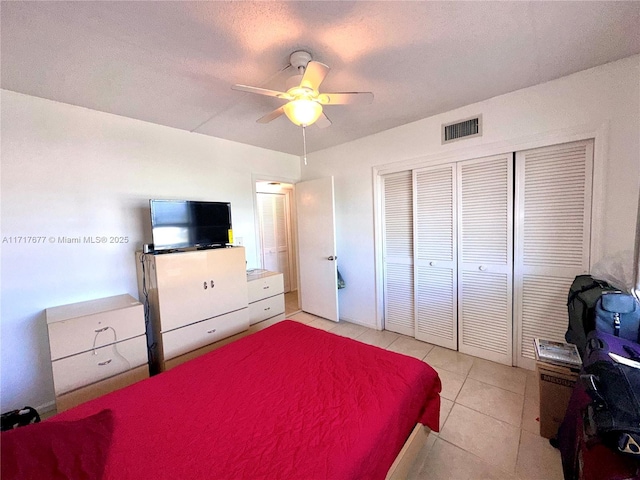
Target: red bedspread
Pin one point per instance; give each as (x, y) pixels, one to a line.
(289, 402)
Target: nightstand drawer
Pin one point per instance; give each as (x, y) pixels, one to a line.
(95, 390)
(89, 367)
(182, 340)
(267, 308)
(87, 325)
(265, 286)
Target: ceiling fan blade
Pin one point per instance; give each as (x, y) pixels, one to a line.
(271, 115)
(261, 91)
(314, 75)
(323, 121)
(346, 98)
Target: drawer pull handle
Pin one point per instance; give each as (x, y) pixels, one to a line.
(212, 284)
(268, 308)
(264, 288)
(102, 364)
(211, 331)
(103, 329)
(205, 285)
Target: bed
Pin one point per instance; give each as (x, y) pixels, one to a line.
(289, 402)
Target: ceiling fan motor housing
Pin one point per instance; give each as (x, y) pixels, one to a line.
(299, 59)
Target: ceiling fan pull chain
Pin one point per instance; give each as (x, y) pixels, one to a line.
(304, 143)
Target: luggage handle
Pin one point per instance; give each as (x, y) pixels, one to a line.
(589, 381)
(596, 283)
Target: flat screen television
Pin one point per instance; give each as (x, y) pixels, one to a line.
(179, 224)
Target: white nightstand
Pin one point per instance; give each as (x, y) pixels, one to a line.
(266, 295)
(96, 347)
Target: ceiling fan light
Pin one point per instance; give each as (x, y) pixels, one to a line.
(303, 112)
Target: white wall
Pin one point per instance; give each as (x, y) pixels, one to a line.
(605, 100)
(70, 171)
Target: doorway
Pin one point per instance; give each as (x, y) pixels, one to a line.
(277, 246)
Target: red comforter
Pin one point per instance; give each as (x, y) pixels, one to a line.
(289, 402)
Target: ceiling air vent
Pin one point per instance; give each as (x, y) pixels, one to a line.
(471, 127)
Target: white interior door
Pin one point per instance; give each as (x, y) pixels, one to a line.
(435, 276)
(317, 248)
(398, 253)
(553, 201)
(485, 258)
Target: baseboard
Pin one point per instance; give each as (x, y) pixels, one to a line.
(355, 322)
(46, 408)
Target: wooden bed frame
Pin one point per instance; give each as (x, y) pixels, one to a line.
(406, 458)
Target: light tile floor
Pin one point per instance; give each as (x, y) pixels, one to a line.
(488, 414)
(291, 302)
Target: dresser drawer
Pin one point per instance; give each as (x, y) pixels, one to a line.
(82, 369)
(182, 340)
(265, 286)
(267, 308)
(88, 330)
(95, 390)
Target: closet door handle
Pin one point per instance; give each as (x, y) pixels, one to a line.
(212, 284)
(205, 285)
(332, 257)
(432, 263)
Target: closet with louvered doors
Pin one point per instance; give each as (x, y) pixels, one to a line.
(482, 257)
(552, 239)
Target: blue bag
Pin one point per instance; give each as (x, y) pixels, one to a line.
(618, 314)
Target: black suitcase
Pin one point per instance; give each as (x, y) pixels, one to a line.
(583, 295)
(611, 376)
(19, 418)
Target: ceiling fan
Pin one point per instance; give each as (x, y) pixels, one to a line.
(304, 100)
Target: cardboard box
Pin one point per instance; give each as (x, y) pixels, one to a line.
(556, 384)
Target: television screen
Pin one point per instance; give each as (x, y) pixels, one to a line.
(182, 224)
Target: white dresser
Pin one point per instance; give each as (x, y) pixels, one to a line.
(96, 347)
(266, 295)
(196, 298)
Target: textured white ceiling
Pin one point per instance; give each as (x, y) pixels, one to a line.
(173, 63)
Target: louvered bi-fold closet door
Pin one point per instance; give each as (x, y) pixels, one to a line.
(268, 241)
(272, 211)
(398, 253)
(553, 196)
(282, 238)
(435, 279)
(485, 258)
